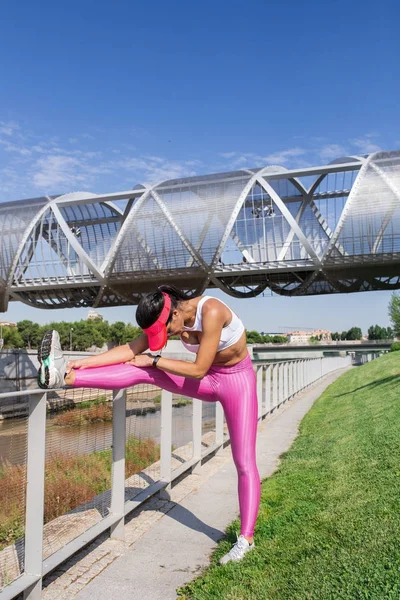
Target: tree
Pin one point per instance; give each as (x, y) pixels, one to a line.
(131, 333)
(103, 327)
(394, 312)
(85, 334)
(117, 333)
(354, 333)
(253, 337)
(30, 333)
(375, 332)
(12, 338)
(279, 339)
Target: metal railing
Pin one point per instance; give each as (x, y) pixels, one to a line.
(276, 383)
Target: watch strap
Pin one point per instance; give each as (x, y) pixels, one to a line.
(156, 359)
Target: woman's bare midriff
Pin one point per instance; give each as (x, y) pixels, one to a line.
(225, 358)
(232, 355)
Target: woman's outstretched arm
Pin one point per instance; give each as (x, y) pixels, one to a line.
(119, 354)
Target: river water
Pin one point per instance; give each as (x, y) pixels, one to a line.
(84, 439)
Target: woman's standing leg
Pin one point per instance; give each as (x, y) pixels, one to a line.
(238, 397)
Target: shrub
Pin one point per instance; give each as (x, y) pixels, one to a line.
(395, 346)
(97, 413)
(70, 481)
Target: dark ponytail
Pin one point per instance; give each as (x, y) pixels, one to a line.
(151, 305)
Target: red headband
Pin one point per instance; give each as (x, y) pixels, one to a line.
(157, 333)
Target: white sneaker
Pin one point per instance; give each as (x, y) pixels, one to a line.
(52, 361)
(237, 551)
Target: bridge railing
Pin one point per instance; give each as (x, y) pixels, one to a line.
(25, 561)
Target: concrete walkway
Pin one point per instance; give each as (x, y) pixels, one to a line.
(169, 542)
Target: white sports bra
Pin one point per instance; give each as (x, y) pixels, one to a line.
(229, 334)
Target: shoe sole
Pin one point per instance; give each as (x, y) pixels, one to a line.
(43, 355)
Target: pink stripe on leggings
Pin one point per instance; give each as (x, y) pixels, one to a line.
(234, 387)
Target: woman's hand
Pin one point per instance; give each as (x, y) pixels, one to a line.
(142, 360)
(74, 364)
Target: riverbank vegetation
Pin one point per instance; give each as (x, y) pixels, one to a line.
(329, 521)
(70, 481)
(100, 412)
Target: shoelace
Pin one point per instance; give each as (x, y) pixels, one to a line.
(238, 548)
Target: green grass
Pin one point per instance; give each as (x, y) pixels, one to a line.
(329, 521)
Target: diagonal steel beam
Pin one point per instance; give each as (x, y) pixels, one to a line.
(194, 254)
(289, 218)
(350, 199)
(75, 244)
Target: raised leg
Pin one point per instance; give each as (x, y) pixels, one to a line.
(115, 377)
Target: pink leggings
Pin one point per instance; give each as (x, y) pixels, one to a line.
(234, 387)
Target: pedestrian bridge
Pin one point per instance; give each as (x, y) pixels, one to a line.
(319, 230)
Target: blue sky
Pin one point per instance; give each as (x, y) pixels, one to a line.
(98, 96)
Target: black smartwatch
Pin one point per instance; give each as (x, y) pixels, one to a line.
(156, 359)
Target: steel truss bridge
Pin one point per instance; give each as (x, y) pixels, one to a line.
(319, 230)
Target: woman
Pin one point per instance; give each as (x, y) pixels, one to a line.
(222, 372)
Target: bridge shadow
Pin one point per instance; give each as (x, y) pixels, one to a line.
(373, 384)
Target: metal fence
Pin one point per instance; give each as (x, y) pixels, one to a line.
(44, 546)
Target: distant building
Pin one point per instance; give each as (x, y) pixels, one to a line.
(7, 324)
(303, 337)
(93, 315)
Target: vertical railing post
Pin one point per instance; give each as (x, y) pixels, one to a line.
(267, 403)
(299, 382)
(166, 442)
(294, 389)
(281, 389)
(35, 494)
(260, 370)
(118, 463)
(275, 385)
(197, 432)
(285, 381)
